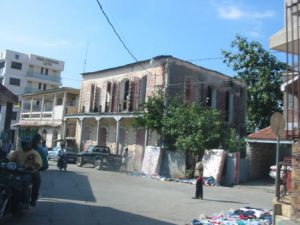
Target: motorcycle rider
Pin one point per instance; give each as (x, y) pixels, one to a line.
(29, 159)
(62, 153)
(36, 177)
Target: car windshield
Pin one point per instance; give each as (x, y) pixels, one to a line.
(101, 149)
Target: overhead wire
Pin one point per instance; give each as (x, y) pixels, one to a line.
(115, 31)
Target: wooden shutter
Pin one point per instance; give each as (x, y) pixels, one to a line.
(136, 94)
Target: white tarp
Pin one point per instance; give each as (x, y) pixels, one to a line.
(213, 163)
(152, 160)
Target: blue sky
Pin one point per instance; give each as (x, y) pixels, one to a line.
(75, 30)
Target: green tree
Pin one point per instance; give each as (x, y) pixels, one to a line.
(192, 127)
(153, 116)
(262, 73)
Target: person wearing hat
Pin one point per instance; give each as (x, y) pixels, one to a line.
(199, 181)
(29, 159)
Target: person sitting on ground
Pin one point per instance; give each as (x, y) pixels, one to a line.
(29, 159)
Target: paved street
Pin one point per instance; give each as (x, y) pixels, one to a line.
(86, 196)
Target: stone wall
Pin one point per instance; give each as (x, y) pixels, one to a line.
(296, 182)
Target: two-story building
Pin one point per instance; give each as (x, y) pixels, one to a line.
(43, 112)
(24, 73)
(111, 98)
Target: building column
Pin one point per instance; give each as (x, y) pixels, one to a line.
(64, 104)
(31, 106)
(42, 107)
(98, 129)
(64, 129)
(118, 119)
(146, 141)
(21, 108)
(54, 103)
(81, 133)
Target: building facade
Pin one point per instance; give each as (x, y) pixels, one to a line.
(288, 40)
(43, 112)
(24, 73)
(111, 98)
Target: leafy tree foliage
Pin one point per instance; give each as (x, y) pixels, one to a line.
(262, 72)
(186, 127)
(153, 116)
(194, 128)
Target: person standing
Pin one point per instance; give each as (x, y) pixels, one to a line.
(199, 181)
(124, 160)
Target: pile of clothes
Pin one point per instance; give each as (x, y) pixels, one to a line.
(242, 216)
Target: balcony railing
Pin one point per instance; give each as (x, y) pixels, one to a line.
(44, 77)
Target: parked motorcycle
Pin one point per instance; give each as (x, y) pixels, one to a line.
(62, 162)
(11, 191)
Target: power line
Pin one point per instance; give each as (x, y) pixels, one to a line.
(115, 31)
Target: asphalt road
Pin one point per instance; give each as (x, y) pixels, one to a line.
(85, 196)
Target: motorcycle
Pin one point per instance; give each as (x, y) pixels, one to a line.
(62, 162)
(11, 190)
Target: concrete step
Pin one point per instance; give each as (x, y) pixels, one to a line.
(283, 220)
(282, 207)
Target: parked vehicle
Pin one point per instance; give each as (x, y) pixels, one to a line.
(11, 176)
(54, 155)
(100, 157)
(71, 156)
(285, 166)
(62, 162)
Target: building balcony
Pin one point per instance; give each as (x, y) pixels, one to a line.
(44, 77)
(278, 41)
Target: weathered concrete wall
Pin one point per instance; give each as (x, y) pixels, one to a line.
(243, 170)
(229, 173)
(173, 164)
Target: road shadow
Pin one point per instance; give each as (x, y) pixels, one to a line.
(111, 168)
(66, 185)
(223, 201)
(62, 213)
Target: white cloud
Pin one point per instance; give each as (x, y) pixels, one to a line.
(231, 13)
(235, 13)
(255, 34)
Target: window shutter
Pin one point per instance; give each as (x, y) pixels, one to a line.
(136, 93)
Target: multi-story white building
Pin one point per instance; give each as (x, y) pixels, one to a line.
(25, 73)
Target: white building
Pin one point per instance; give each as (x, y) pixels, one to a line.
(25, 73)
(43, 112)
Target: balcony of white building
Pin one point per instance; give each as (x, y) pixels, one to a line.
(47, 108)
(43, 77)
